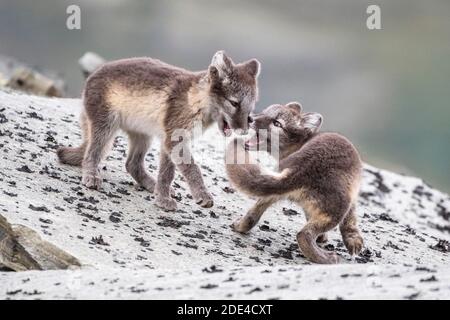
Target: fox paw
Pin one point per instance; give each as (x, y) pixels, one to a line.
(148, 184)
(204, 199)
(165, 203)
(243, 225)
(92, 181)
(238, 227)
(354, 243)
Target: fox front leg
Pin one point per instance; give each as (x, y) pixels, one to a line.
(165, 177)
(191, 172)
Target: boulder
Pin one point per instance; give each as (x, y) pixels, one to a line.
(115, 243)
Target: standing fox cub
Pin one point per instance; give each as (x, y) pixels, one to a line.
(146, 98)
(319, 171)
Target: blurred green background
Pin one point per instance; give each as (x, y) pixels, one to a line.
(388, 90)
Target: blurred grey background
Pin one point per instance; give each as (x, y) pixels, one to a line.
(388, 90)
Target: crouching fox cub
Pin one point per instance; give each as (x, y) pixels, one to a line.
(319, 171)
(148, 98)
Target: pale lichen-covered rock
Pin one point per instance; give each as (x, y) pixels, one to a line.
(193, 253)
(17, 75)
(21, 248)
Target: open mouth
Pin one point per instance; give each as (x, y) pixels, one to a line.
(226, 129)
(252, 143)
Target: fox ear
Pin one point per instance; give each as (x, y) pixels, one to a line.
(253, 67)
(312, 121)
(222, 63)
(213, 74)
(295, 106)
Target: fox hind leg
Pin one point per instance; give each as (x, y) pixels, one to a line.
(321, 238)
(353, 240)
(138, 147)
(318, 223)
(101, 135)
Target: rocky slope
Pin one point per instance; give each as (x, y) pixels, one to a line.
(128, 248)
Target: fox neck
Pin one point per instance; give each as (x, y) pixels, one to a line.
(200, 100)
(288, 150)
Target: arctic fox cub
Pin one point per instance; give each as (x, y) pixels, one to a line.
(146, 97)
(319, 171)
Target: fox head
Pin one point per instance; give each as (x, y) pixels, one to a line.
(287, 123)
(234, 92)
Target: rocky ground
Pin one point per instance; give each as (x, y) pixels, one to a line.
(72, 242)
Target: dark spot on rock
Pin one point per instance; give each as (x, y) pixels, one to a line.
(379, 181)
(123, 191)
(98, 240)
(25, 169)
(207, 168)
(69, 199)
(81, 205)
(430, 279)
(212, 269)
(420, 191)
(89, 200)
(425, 269)
(187, 245)
(50, 189)
(266, 242)
(112, 195)
(289, 212)
(193, 236)
(209, 286)
(38, 208)
(34, 115)
(142, 241)
(392, 245)
(385, 217)
(50, 173)
(199, 213)
(410, 230)
(257, 289)
(365, 256)
(442, 246)
(92, 217)
(171, 223)
(13, 292)
(443, 212)
(10, 194)
(228, 189)
(115, 217)
(412, 296)
(212, 214)
(265, 227)
(47, 221)
(3, 118)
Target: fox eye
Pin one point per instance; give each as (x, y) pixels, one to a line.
(234, 103)
(277, 123)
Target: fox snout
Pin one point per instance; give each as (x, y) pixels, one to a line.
(242, 127)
